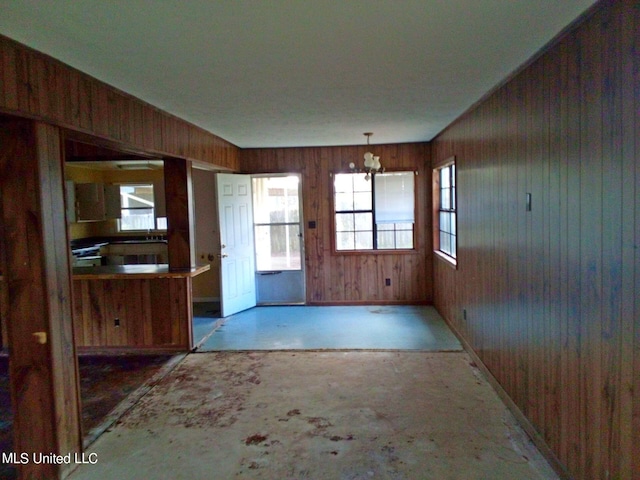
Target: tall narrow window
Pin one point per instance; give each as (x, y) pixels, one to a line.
(376, 214)
(444, 189)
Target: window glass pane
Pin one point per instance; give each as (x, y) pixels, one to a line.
(277, 247)
(345, 240)
(443, 242)
(444, 178)
(344, 201)
(161, 223)
(362, 201)
(404, 238)
(275, 199)
(139, 219)
(453, 198)
(136, 196)
(364, 240)
(344, 222)
(444, 199)
(453, 175)
(444, 221)
(453, 247)
(343, 182)
(386, 239)
(359, 183)
(404, 226)
(137, 207)
(394, 197)
(385, 226)
(453, 222)
(363, 221)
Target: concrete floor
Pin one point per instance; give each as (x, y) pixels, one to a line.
(406, 327)
(318, 415)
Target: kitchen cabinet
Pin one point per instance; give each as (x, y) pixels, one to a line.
(97, 201)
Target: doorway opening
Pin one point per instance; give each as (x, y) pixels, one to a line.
(279, 245)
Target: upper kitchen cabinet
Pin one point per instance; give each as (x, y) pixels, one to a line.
(97, 202)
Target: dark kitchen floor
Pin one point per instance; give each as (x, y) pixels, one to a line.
(104, 382)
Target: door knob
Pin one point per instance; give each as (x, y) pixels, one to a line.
(223, 255)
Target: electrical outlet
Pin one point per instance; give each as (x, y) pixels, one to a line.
(387, 282)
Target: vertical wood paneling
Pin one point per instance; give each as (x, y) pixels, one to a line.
(552, 295)
(35, 263)
(632, 211)
(37, 86)
(4, 303)
(152, 313)
(178, 188)
(354, 278)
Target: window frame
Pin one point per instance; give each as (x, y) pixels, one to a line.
(155, 217)
(437, 209)
(374, 250)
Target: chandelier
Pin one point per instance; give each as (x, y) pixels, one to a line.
(371, 162)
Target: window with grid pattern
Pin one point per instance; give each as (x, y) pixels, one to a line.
(376, 214)
(445, 233)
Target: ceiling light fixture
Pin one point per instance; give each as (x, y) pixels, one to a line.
(371, 162)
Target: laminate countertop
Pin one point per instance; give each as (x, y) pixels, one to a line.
(120, 272)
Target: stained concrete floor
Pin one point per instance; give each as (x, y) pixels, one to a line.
(318, 415)
(389, 327)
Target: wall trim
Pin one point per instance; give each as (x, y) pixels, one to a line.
(369, 302)
(526, 425)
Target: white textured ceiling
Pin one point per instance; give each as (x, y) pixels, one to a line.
(297, 73)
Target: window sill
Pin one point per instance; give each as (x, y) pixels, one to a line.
(452, 262)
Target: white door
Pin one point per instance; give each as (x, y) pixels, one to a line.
(237, 262)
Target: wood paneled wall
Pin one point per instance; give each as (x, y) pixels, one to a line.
(552, 295)
(35, 262)
(151, 313)
(334, 278)
(4, 305)
(35, 85)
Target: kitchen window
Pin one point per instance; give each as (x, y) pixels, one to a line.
(376, 214)
(137, 205)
